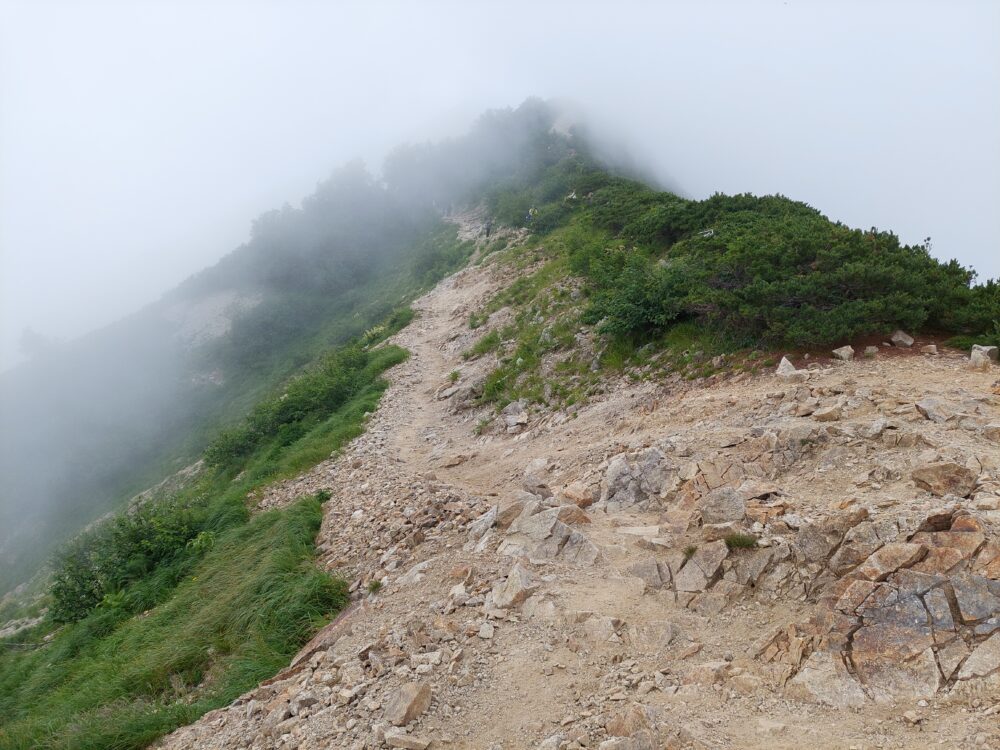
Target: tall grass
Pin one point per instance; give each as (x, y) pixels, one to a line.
(216, 600)
(113, 682)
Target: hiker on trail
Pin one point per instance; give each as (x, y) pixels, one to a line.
(489, 227)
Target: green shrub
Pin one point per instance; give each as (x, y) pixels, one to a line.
(740, 541)
(113, 680)
(758, 270)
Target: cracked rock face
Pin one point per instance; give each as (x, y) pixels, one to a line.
(914, 618)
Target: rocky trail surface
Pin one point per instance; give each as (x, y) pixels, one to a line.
(592, 581)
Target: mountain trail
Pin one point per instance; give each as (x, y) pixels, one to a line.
(566, 583)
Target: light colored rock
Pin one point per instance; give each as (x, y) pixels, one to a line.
(828, 413)
(579, 550)
(945, 478)
(536, 477)
(537, 527)
(901, 339)
(990, 352)
(579, 494)
(702, 567)
(414, 574)
(929, 349)
(824, 679)
(786, 371)
(405, 741)
(935, 410)
(653, 573)
(870, 351)
(888, 559)
(619, 486)
(516, 589)
(407, 702)
(982, 357)
(978, 598)
(984, 660)
(722, 505)
(844, 353)
(479, 527)
(515, 414)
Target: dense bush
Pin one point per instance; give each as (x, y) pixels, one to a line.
(784, 278)
(103, 560)
(759, 270)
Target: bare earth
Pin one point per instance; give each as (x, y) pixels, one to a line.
(571, 616)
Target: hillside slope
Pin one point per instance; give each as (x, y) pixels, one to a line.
(560, 578)
(89, 423)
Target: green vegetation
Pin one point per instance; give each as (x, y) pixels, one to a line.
(176, 606)
(320, 275)
(740, 541)
(697, 288)
(484, 345)
(689, 551)
(115, 681)
(765, 270)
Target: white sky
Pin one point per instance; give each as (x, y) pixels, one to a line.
(139, 139)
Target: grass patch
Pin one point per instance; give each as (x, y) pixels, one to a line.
(740, 541)
(117, 681)
(488, 343)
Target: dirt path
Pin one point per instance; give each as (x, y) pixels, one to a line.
(591, 647)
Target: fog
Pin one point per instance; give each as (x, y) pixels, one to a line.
(138, 140)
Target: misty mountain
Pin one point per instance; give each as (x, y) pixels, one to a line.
(87, 424)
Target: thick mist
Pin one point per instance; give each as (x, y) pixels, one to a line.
(84, 425)
(137, 141)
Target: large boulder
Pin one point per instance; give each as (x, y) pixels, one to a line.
(901, 339)
(407, 703)
(945, 478)
(844, 353)
(702, 568)
(631, 479)
(722, 505)
(516, 589)
(982, 357)
(786, 371)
